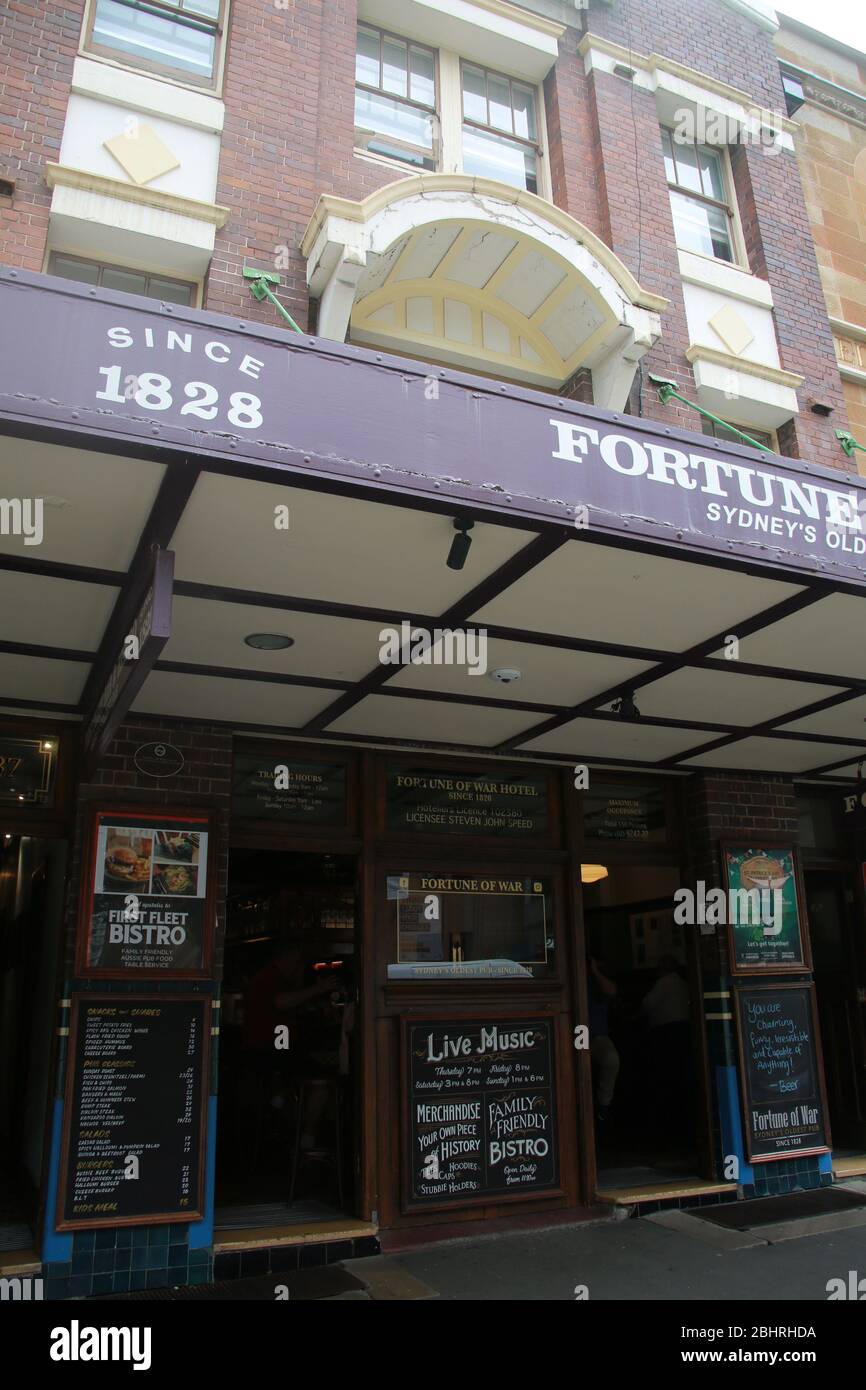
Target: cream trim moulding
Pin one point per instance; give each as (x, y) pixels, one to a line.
(61, 176)
(656, 73)
(137, 92)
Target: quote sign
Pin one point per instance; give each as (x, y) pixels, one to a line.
(147, 907)
(783, 1100)
(481, 1109)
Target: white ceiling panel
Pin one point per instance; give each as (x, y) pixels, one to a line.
(212, 634)
(383, 716)
(337, 548)
(772, 755)
(694, 693)
(847, 720)
(602, 738)
(94, 505)
(829, 636)
(549, 675)
(245, 702)
(54, 612)
(38, 678)
(606, 594)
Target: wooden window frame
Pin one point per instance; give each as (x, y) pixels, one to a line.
(435, 154)
(728, 207)
(152, 65)
(191, 285)
(536, 145)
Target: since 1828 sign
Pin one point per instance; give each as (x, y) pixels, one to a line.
(99, 363)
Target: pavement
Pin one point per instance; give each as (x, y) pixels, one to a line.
(671, 1256)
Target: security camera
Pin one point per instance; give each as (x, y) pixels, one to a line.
(506, 674)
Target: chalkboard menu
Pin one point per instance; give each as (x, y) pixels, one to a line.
(429, 801)
(620, 811)
(133, 1138)
(783, 1096)
(481, 1109)
(272, 786)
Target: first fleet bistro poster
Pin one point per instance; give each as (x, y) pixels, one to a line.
(147, 904)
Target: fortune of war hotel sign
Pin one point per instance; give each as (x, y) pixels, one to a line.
(259, 402)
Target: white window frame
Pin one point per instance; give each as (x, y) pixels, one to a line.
(449, 96)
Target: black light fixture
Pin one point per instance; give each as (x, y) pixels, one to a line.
(795, 97)
(460, 545)
(269, 641)
(626, 708)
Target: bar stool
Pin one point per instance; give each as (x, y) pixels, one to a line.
(331, 1155)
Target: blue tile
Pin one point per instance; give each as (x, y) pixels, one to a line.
(105, 1240)
(177, 1254)
(157, 1278)
(199, 1257)
(123, 1238)
(137, 1279)
(158, 1258)
(199, 1275)
(82, 1264)
(176, 1233)
(80, 1286)
(139, 1237)
(139, 1259)
(58, 1270)
(123, 1258)
(56, 1288)
(177, 1276)
(103, 1283)
(83, 1241)
(157, 1235)
(103, 1261)
(121, 1281)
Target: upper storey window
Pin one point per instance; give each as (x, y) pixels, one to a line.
(700, 201)
(177, 37)
(500, 128)
(395, 98)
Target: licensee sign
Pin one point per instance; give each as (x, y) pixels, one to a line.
(481, 1109)
(148, 905)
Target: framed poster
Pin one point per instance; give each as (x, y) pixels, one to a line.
(784, 1104)
(133, 1141)
(148, 895)
(479, 1109)
(766, 918)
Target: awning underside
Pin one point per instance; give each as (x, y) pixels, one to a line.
(583, 622)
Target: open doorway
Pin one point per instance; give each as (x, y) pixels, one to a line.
(641, 1017)
(837, 939)
(32, 873)
(287, 1125)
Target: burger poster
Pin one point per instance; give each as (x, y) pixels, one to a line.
(147, 908)
(766, 924)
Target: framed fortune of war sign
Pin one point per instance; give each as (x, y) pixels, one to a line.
(766, 919)
(148, 896)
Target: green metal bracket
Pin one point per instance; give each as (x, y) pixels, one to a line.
(668, 390)
(849, 443)
(260, 288)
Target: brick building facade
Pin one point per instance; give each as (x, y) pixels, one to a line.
(537, 260)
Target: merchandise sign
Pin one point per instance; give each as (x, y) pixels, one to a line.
(99, 363)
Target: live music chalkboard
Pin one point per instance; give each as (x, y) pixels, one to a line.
(481, 1116)
(135, 1104)
(783, 1093)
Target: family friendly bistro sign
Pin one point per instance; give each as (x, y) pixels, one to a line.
(104, 364)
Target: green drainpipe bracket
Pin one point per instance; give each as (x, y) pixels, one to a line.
(849, 443)
(260, 288)
(668, 390)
